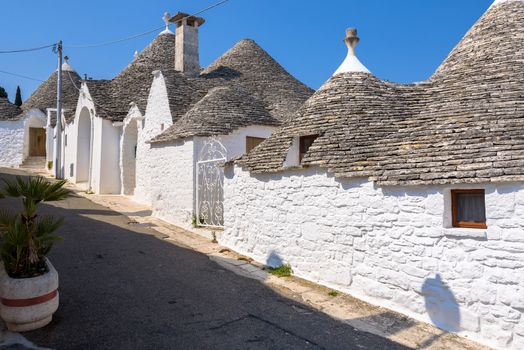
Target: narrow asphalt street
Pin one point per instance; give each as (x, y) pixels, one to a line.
(123, 287)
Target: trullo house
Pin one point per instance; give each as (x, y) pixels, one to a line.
(161, 130)
(26, 133)
(408, 196)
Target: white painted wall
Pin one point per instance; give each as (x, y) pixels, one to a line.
(11, 143)
(391, 246)
(80, 143)
(157, 114)
(235, 143)
(109, 176)
(128, 150)
(14, 137)
(172, 181)
(172, 173)
(92, 153)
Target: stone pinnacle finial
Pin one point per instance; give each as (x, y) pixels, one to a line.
(351, 40)
(351, 64)
(66, 66)
(166, 19)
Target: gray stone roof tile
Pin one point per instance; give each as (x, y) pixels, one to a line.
(223, 110)
(112, 98)
(8, 110)
(246, 69)
(45, 95)
(464, 125)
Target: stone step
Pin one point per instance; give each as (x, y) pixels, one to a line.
(34, 162)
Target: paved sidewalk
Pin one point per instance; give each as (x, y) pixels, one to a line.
(132, 281)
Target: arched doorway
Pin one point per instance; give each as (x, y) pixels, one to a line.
(83, 148)
(129, 147)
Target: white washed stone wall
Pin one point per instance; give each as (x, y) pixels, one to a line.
(11, 143)
(172, 182)
(391, 246)
(14, 137)
(157, 119)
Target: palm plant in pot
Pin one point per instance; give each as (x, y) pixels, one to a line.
(28, 280)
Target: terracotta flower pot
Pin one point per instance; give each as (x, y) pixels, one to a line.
(28, 303)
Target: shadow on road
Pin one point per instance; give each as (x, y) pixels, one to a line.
(122, 286)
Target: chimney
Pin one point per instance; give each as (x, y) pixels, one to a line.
(186, 47)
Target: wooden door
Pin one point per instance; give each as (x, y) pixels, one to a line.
(37, 142)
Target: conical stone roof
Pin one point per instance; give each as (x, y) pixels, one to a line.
(245, 69)
(464, 125)
(251, 67)
(8, 110)
(223, 110)
(45, 95)
(112, 97)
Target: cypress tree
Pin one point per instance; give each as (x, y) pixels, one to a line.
(18, 97)
(3, 93)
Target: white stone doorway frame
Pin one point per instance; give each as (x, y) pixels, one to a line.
(128, 157)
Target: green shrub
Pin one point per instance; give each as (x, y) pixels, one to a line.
(281, 271)
(27, 237)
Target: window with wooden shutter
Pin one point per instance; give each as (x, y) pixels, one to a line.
(252, 142)
(468, 208)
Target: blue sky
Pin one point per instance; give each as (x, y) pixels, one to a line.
(402, 41)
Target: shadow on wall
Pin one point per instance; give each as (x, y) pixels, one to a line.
(441, 306)
(274, 260)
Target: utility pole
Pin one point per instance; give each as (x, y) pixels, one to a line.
(58, 136)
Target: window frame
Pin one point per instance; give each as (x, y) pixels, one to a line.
(261, 139)
(301, 151)
(465, 224)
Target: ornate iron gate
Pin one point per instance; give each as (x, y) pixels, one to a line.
(210, 184)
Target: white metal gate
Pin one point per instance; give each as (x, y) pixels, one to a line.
(210, 184)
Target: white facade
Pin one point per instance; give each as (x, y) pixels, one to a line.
(173, 167)
(14, 137)
(157, 119)
(165, 175)
(392, 246)
(92, 149)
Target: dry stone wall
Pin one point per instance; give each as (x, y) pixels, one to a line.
(392, 246)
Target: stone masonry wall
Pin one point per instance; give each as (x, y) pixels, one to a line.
(14, 137)
(172, 182)
(391, 246)
(157, 119)
(11, 143)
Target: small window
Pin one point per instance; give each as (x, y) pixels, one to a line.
(162, 127)
(468, 208)
(252, 142)
(305, 143)
(65, 140)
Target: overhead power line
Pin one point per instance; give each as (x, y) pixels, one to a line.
(144, 33)
(21, 76)
(27, 50)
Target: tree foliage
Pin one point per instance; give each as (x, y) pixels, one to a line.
(18, 97)
(3, 93)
